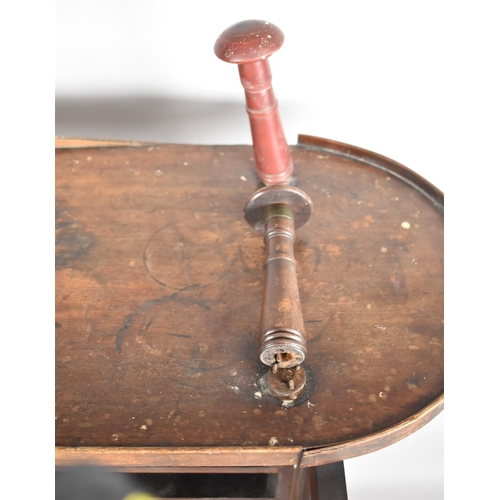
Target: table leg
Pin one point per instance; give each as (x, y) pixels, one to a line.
(327, 482)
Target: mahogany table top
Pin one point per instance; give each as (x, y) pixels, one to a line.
(159, 287)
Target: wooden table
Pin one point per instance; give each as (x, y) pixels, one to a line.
(158, 294)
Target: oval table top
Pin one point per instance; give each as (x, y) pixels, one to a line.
(158, 294)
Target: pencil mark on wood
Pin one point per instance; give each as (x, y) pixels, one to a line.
(171, 255)
(144, 257)
(184, 259)
(131, 318)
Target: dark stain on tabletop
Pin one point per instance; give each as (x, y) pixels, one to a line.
(72, 242)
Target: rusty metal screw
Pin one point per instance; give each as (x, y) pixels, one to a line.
(286, 384)
(249, 44)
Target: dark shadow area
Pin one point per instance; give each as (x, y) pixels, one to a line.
(101, 483)
(152, 118)
(208, 485)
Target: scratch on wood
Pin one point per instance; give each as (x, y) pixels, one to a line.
(144, 258)
(130, 319)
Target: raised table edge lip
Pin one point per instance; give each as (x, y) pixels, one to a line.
(240, 456)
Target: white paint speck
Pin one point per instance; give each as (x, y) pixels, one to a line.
(243, 178)
(235, 388)
(273, 441)
(383, 249)
(258, 395)
(405, 225)
(143, 427)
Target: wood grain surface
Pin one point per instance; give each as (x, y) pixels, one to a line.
(159, 286)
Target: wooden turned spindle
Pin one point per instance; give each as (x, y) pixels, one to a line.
(248, 44)
(278, 211)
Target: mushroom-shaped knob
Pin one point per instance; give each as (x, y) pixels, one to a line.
(248, 44)
(248, 41)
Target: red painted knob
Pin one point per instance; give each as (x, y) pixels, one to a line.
(248, 41)
(248, 44)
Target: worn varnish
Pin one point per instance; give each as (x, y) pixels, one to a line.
(159, 286)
